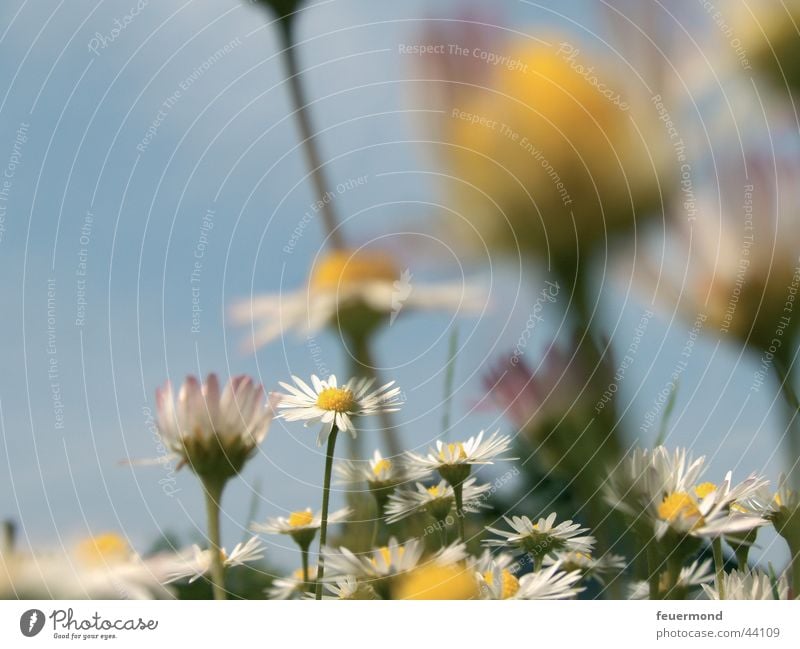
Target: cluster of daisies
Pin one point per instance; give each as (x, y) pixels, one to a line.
(688, 531)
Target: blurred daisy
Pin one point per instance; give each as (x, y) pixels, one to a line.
(349, 588)
(690, 577)
(548, 583)
(750, 585)
(333, 405)
(454, 461)
(194, 562)
(437, 500)
(301, 525)
(380, 474)
(433, 581)
(589, 566)
(542, 537)
(213, 431)
(495, 575)
(99, 567)
(290, 586)
(356, 289)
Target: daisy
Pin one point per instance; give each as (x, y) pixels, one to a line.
(349, 588)
(495, 575)
(542, 537)
(549, 583)
(194, 562)
(301, 525)
(381, 475)
(332, 405)
(456, 459)
(589, 566)
(749, 585)
(213, 431)
(99, 567)
(288, 587)
(436, 500)
(353, 289)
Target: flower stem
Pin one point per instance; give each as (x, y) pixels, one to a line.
(313, 157)
(653, 570)
(795, 567)
(458, 492)
(719, 565)
(326, 496)
(213, 490)
(304, 558)
(538, 560)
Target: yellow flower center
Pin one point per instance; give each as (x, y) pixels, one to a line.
(453, 450)
(435, 491)
(777, 500)
(103, 548)
(386, 554)
(381, 467)
(679, 505)
(300, 519)
(510, 582)
(437, 582)
(702, 490)
(336, 399)
(346, 268)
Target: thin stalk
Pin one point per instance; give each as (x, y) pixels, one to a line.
(786, 378)
(304, 558)
(313, 158)
(326, 496)
(213, 497)
(538, 560)
(458, 492)
(653, 570)
(796, 574)
(719, 565)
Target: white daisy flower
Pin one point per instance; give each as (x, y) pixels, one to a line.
(542, 537)
(549, 583)
(213, 431)
(332, 405)
(350, 288)
(782, 509)
(454, 461)
(290, 586)
(495, 575)
(348, 588)
(437, 500)
(750, 585)
(301, 525)
(662, 491)
(194, 562)
(589, 566)
(391, 559)
(689, 578)
(100, 567)
(377, 472)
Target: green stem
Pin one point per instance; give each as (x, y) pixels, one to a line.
(653, 570)
(313, 157)
(719, 565)
(796, 574)
(326, 496)
(213, 497)
(538, 560)
(458, 492)
(786, 377)
(304, 558)
(742, 552)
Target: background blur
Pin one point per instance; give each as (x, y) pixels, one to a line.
(98, 210)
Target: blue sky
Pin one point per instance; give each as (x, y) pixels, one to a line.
(226, 142)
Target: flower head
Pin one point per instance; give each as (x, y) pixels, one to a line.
(357, 290)
(750, 585)
(454, 460)
(334, 405)
(437, 500)
(194, 562)
(301, 525)
(589, 566)
(542, 537)
(548, 583)
(213, 431)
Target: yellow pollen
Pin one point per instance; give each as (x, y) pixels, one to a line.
(300, 519)
(453, 450)
(702, 490)
(435, 491)
(510, 582)
(679, 505)
(347, 268)
(387, 555)
(381, 466)
(103, 548)
(336, 399)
